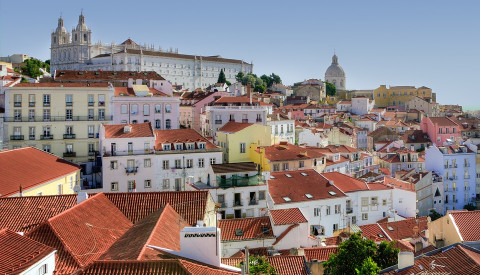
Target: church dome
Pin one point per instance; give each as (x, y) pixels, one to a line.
(335, 70)
(60, 27)
(81, 23)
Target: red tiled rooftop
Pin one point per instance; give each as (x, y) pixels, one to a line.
(125, 91)
(442, 121)
(404, 229)
(235, 99)
(18, 253)
(287, 216)
(374, 232)
(136, 130)
(285, 265)
(251, 228)
(71, 75)
(61, 85)
(299, 184)
(345, 182)
(320, 253)
(180, 136)
(29, 167)
(233, 127)
(468, 224)
(290, 152)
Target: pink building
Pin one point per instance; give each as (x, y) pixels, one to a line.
(439, 129)
(141, 103)
(193, 104)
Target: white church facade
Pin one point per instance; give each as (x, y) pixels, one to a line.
(336, 75)
(75, 51)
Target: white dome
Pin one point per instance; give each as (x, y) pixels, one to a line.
(335, 70)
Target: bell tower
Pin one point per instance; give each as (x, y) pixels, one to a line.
(81, 41)
(60, 40)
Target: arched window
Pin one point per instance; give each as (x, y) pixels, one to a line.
(168, 108)
(75, 37)
(85, 37)
(168, 124)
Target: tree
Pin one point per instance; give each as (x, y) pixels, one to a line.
(469, 207)
(434, 215)
(32, 67)
(266, 79)
(249, 78)
(331, 89)
(275, 78)
(259, 88)
(369, 267)
(259, 265)
(239, 77)
(221, 77)
(386, 254)
(24, 80)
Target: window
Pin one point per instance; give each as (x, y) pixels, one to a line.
(242, 148)
(166, 164)
(201, 163)
(221, 198)
(335, 226)
(31, 115)
(364, 202)
(189, 163)
(178, 163)
(31, 100)
(114, 186)
(384, 202)
(17, 114)
(374, 201)
(101, 100)
(46, 114)
(91, 131)
(166, 184)
(327, 212)
(146, 110)
(168, 108)
(69, 148)
(42, 270)
(157, 123)
(68, 100)
(124, 109)
(68, 114)
(131, 186)
(46, 148)
(285, 166)
(276, 167)
(90, 114)
(148, 183)
(147, 163)
(213, 160)
(158, 109)
(201, 145)
(101, 114)
(364, 216)
(316, 212)
(338, 208)
(17, 100)
(261, 195)
(301, 164)
(31, 133)
(46, 100)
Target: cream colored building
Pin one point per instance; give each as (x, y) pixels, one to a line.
(60, 118)
(429, 107)
(400, 95)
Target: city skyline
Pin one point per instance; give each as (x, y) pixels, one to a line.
(377, 43)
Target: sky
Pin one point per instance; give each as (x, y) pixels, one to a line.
(431, 43)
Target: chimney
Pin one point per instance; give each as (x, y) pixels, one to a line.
(130, 82)
(249, 87)
(127, 129)
(405, 259)
(412, 148)
(201, 244)
(82, 196)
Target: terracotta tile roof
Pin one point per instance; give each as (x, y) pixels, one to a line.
(61, 85)
(29, 167)
(246, 229)
(329, 241)
(296, 187)
(235, 99)
(385, 171)
(400, 230)
(340, 160)
(180, 136)
(22, 214)
(82, 233)
(287, 216)
(415, 136)
(161, 228)
(200, 269)
(284, 265)
(320, 253)
(162, 267)
(442, 121)
(290, 152)
(19, 253)
(136, 130)
(378, 186)
(125, 91)
(233, 127)
(234, 167)
(64, 75)
(455, 259)
(374, 232)
(345, 182)
(191, 205)
(468, 224)
(400, 184)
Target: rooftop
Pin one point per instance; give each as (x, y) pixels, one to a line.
(233, 127)
(468, 223)
(246, 229)
(284, 151)
(287, 216)
(135, 130)
(64, 75)
(239, 167)
(180, 136)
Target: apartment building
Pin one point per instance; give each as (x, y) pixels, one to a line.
(399, 96)
(441, 130)
(401, 159)
(59, 118)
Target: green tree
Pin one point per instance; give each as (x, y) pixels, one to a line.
(469, 207)
(32, 67)
(259, 88)
(266, 80)
(221, 77)
(434, 215)
(386, 254)
(350, 256)
(331, 89)
(249, 78)
(239, 76)
(275, 78)
(259, 265)
(369, 267)
(24, 80)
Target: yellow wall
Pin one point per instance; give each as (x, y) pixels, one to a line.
(6, 64)
(400, 94)
(51, 188)
(259, 157)
(230, 142)
(443, 228)
(58, 109)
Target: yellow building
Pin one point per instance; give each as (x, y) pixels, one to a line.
(60, 118)
(400, 95)
(235, 139)
(32, 172)
(455, 227)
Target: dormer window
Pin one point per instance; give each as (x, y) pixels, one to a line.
(178, 146)
(201, 145)
(167, 147)
(190, 146)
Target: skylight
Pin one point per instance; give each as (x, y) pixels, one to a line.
(390, 228)
(287, 199)
(309, 196)
(272, 177)
(380, 235)
(332, 193)
(288, 175)
(304, 174)
(238, 232)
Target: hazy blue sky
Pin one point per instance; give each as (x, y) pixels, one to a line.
(431, 43)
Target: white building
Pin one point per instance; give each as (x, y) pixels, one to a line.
(75, 51)
(281, 129)
(362, 105)
(313, 137)
(148, 160)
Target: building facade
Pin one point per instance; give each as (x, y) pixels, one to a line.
(336, 75)
(400, 95)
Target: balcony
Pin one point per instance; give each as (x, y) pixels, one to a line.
(69, 104)
(92, 153)
(101, 103)
(46, 137)
(237, 203)
(91, 135)
(31, 137)
(259, 120)
(128, 152)
(253, 202)
(245, 120)
(130, 170)
(16, 137)
(68, 136)
(69, 154)
(91, 103)
(239, 181)
(57, 118)
(218, 121)
(31, 104)
(17, 104)
(46, 104)
(349, 210)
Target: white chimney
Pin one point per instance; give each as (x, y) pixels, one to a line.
(201, 244)
(138, 82)
(127, 129)
(130, 82)
(81, 197)
(405, 259)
